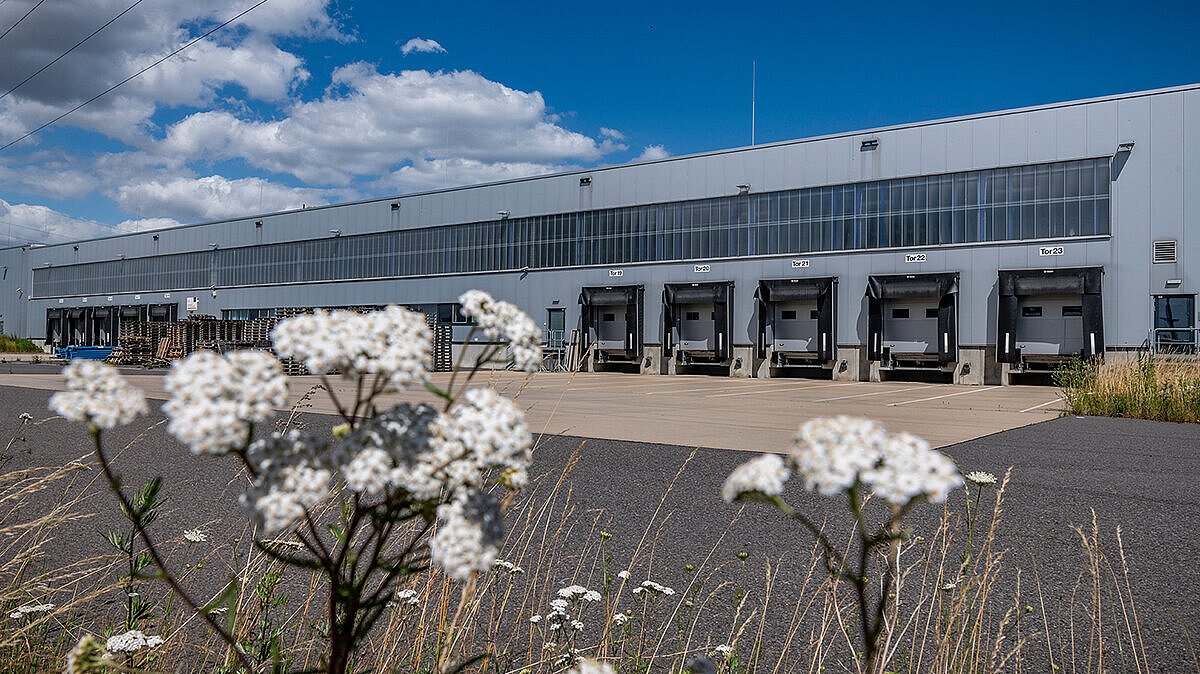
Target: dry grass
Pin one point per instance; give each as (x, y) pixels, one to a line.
(1163, 389)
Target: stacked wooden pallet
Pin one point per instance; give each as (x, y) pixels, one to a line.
(133, 350)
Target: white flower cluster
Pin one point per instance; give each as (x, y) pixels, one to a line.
(23, 611)
(493, 429)
(470, 531)
(590, 666)
(97, 392)
(653, 587)
(830, 452)
(620, 619)
(291, 478)
(503, 320)
(407, 597)
(395, 343)
(88, 657)
(132, 642)
(766, 475)
(835, 453)
(215, 397)
(25, 416)
(509, 567)
(980, 478)
(195, 536)
(909, 469)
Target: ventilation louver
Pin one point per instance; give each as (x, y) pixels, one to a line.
(1164, 251)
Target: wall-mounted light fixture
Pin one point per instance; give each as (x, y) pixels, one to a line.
(502, 214)
(335, 232)
(120, 256)
(1127, 146)
(156, 237)
(258, 223)
(744, 188)
(868, 145)
(395, 205)
(585, 181)
(213, 246)
(76, 248)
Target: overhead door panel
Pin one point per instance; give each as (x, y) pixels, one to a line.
(698, 317)
(1049, 312)
(913, 314)
(799, 315)
(612, 318)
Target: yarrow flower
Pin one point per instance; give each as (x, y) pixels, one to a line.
(980, 478)
(87, 656)
(25, 416)
(470, 531)
(909, 469)
(535, 619)
(619, 619)
(23, 611)
(591, 596)
(395, 343)
(765, 474)
(590, 666)
(407, 596)
(132, 642)
(291, 478)
(97, 392)
(831, 452)
(622, 575)
(651, 586)
(215, 397)
(503, 320)
(722, 650)
(195, 536)
(571, 591)
(493, 429)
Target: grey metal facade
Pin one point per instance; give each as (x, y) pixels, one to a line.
(972, 195)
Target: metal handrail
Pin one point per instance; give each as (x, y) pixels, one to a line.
(1172, 346)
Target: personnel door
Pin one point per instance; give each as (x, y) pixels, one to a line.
(1174, 323)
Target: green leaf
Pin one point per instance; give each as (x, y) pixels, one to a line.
(432, 388)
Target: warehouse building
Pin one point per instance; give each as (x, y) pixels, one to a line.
(970, 248)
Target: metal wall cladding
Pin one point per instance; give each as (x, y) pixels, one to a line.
(1162, 125)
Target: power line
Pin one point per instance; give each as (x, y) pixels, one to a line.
(77, 44)
(39, 4)
(127, 79)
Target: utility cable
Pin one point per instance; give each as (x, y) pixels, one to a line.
(77, 45)
(39, 4)
(127, 79)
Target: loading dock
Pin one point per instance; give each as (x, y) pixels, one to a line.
(163, 313)
(612, 318)
(1046, 316)
(75, 327)
(797, 322)
(698, 323)
(912, 321)
(55, 336)
(104, 326)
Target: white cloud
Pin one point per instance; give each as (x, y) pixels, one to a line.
(31, 223)
(611, 133)
(422, 45)
(437, 173)
(371, 122)
(652, 152)
(242, 55)
(213, 197)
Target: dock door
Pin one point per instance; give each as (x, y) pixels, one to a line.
(698, 322)
(612, 319)
(104, 322)
(54, 328)
(912, 320)
(797, 321)
(1046, 316)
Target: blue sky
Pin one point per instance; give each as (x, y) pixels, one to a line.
(309, 101)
